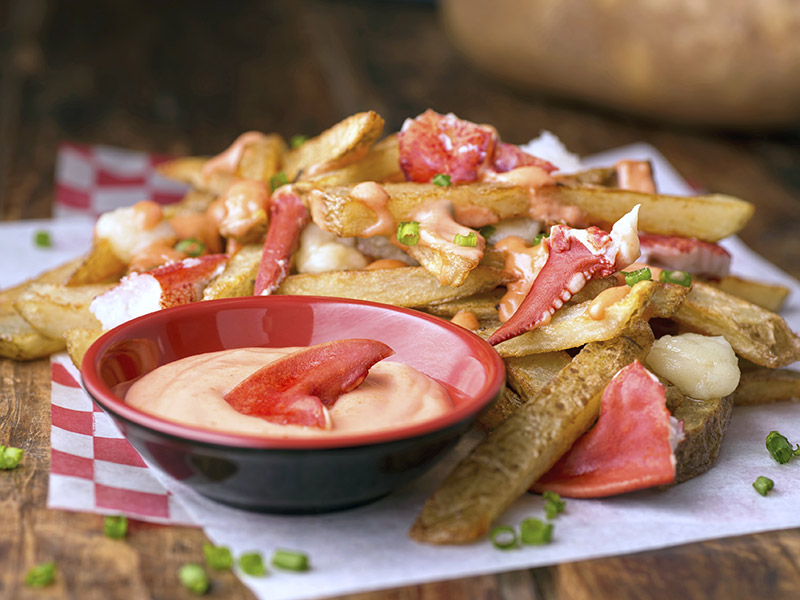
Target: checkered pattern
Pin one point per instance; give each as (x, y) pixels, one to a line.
(93, 179)
(93, 468)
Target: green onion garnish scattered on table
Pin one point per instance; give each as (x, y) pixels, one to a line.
(10, 457)
(535, 532)
(469, 241)
(780, 448)
(41, 575)
(634, 277)
(251, 563)
(441, 180)
(763, 484)
(290, 560)
(503, 537)
(680, 277)
(553, 504)
(194, 578)
(218, 557)
(42, 239)
(408, 233)
(115, 527)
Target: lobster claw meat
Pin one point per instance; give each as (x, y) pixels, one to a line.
(296, 389)
(287, 217)
(432, 144)
(575, 257)
(631, 447)
(175, 283)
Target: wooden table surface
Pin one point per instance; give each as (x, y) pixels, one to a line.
(189, 77)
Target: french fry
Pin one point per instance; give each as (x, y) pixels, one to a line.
(239, 276)
(767, 386)
(527, 444)
(404, 286)
(51, 309)
(335, 209)
(756, 334)
(666, 301)
(572, 326)
(100, 265)
(506, 404)
(483, 305)
(381, 164)
(343, 144)
(78, 341)
(705, 423)
(59, 274)
(708, 218)
(20, 341)
(194, 201)
(765, 295)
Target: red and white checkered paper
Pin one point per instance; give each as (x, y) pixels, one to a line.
(93, 467)
(91, 180)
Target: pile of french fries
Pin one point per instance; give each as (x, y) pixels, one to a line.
(556, 373)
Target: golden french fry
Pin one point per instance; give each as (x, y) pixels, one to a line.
(572, 326)
(381, 164)
(705, 423)
(507, 403)
(100, 265)
(78, 342)
(345, 143)
(762, 385)
(527, 375)
(708, 218)
(239, 276)
(194, 201)
(667, 300)
(51, 309)
(59, 274)
(337, 210)
(765, 295)
(527, 444)
(756, 334)
(20, 341)
(483, 305)
(404, 286)
(602, 176)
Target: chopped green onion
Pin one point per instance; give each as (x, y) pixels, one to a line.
(441, 180)
(487, 230)
(42, 239)
(634, 277)
(554, 505)
(191, 246)
(408, 233)
(115, 527)
(218, 557)
(194, 578)
(503, 537)
(41, 575)
(780, 448)
(535, 532)
(278, 180)
(763, 485)
(290, 560)
(470, 240)
(252, 564)
(297, 140)
(10, 457)
(680, 277)
(539, 237)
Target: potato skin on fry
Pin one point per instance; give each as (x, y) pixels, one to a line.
(527, 444)
(705, 423)
(761, 385)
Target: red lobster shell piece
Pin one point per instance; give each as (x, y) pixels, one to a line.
(631, 447)
(685, 254)
(287, 217)
(296, 388)
(432, 143)
(575, 257)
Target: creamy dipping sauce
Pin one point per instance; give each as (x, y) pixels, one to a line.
(191, 391)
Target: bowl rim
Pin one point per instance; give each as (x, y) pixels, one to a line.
(489, 359)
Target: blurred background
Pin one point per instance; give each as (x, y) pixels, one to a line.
(188, 77)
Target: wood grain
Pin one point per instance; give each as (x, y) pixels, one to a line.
(188, 77)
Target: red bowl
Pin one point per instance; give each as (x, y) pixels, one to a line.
(297, 475)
